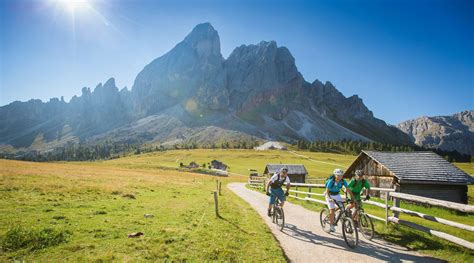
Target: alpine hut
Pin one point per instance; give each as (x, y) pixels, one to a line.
(296, 172)
(419, 173)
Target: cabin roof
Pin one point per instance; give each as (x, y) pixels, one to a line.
(292, 168)
(418, 166)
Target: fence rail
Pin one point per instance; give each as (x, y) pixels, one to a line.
(395, 208)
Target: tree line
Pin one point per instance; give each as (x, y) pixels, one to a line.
(355, 147)
(110, 150)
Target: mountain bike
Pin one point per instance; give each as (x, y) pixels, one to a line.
(365, 224)
(349, 231)
(278, 216)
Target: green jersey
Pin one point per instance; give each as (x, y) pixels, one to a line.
(356, 187)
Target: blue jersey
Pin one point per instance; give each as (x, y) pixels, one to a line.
(334, 187)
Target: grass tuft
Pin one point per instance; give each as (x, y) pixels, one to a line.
(19, 237)
(131, 196)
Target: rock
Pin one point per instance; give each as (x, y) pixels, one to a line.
(134, 235)
(149, 216)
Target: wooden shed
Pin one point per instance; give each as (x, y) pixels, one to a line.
(296, 172)
(418, 173)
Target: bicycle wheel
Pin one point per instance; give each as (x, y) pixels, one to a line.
(324, 219)
(366, 226)
(349, 232)
(279, 217)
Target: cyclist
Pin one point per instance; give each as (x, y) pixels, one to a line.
(274, 190)
(356, 184)
(333, 185)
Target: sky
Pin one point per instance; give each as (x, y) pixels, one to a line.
(405, 59)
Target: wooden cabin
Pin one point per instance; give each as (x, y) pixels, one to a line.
(296, 172)
(418, 173)
(215, 164)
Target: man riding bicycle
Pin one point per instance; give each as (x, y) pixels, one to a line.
(274, 190)
(333, 185)
(356, 185)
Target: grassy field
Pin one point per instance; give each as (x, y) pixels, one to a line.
(240, 161)
(84, 212)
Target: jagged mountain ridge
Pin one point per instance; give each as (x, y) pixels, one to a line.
(448, 133)
(256, 92)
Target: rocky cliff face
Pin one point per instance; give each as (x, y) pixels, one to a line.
(23, 123)
(193, 69)
(192, 91)
(449, 133)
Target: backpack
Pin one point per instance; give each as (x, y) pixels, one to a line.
(277, 183)
(333, 180)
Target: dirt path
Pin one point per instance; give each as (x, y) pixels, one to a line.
(303, 240)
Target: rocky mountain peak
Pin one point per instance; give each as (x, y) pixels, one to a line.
(110, 84)
(455, 132)
(205, 39)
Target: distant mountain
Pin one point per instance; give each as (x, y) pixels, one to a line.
(192, 93)
(448, 133)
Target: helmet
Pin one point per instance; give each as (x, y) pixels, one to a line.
(338, 172)
(283, 169)
(359, 173)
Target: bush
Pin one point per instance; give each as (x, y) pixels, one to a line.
(19, 237)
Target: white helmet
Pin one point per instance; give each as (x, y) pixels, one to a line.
(338, 172)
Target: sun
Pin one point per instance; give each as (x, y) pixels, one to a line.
(74, 6)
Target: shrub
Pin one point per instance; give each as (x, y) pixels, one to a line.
(19, 237)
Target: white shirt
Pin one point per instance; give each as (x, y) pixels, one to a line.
(274, 178)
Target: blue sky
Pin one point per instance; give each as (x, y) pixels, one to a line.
(403, 58)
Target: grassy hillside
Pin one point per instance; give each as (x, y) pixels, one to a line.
(319, 164)
(84, 211)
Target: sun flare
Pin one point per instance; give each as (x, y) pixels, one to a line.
(74, 5)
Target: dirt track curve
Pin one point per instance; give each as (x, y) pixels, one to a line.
(303, 240)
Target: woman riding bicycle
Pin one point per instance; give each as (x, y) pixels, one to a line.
(275, 183)
(333, 185)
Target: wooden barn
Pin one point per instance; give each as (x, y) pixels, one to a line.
(418, 173)
(296, 172)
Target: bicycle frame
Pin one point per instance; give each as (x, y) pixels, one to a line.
(340, 207)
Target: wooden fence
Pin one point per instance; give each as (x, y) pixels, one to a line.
(395, 208)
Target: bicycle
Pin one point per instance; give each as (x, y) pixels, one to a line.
(349, 231)
(365, 223)
(278, 215)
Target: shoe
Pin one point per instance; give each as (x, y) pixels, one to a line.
(332, 229)
(269, 213)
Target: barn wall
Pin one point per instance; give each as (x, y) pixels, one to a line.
(370, 167)
(297, 178)
(376, 173)
(453, 193)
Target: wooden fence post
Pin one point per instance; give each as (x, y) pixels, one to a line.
(296, 194)
(386, 207)
(217, 185)
(220, 187)
(309, 190)
(264, 185)
(216, 203)
(396, 202)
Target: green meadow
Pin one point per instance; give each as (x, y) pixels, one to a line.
(319, 165)
(84, 211)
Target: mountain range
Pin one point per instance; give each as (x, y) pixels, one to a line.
(448, 133)
(192, 93)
